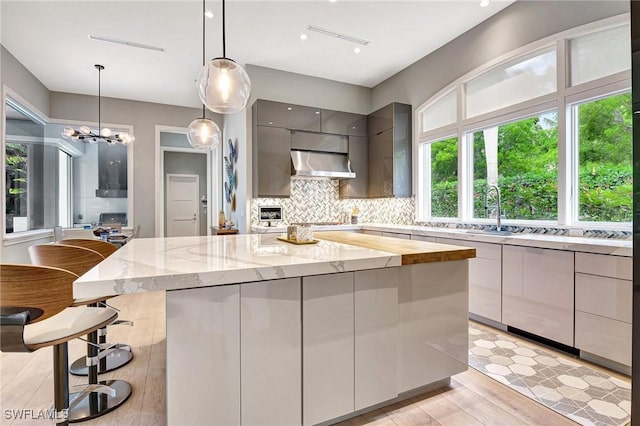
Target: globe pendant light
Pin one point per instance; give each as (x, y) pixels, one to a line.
(203, 133)
(224, 86)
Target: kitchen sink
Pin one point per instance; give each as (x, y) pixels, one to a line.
(486, 232)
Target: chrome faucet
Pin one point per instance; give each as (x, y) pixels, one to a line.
(498, 206)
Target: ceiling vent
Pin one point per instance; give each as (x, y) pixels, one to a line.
(338, 35)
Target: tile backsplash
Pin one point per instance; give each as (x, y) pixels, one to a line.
(317, 200)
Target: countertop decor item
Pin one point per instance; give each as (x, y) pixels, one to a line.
(85, 133)
(224, 86)
(297, 241)
(204, 133)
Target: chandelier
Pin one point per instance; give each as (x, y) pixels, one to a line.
(204, 133)
(223, 85)
(85, 133)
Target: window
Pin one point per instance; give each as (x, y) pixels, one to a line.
(559, 150)
(600, 54)
(515, 81)
(604, 152)
(521, 157)
(441, 113)
(53, 181)
(444, 177)
(30, 173)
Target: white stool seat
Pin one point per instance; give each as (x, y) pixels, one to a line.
(66, 325)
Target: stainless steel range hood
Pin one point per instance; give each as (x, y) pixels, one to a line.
(321, 164)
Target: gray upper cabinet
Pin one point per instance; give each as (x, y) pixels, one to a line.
(271, 162)
(287, 116)
(358, 156)
(343, 123)
(390, 151)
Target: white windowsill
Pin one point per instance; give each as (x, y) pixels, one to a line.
(26, 236)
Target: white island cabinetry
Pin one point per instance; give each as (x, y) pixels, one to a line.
(262, 332)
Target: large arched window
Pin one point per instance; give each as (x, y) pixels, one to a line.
(550, 125)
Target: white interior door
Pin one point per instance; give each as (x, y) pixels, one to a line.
(183, 208)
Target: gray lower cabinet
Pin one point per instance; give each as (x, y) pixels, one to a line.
(357, 187)
(272, 162)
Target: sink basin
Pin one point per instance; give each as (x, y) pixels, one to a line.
(486, 232)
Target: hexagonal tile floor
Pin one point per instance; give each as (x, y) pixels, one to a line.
(584, 395)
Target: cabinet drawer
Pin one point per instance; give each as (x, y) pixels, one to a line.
(604, 337)
(483, 250)
(396, 235)
(605, 265)
(607, 297)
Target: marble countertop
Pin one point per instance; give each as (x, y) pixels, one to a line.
(558, 242)
(150, 264)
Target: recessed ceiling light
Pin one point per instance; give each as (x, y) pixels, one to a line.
(317, 112)
(289, 109)
(209, 14)
(485, 3)
(356, 50)
(332, 1)
(303, 36)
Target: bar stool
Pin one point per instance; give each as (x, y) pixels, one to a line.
(35, 313)
(79, 260)
(124, 354)
(104, 248)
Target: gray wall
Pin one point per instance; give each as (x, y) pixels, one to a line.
(20, 80)
(191, 164)
(144, 116)
(518, 25)
(282, 86)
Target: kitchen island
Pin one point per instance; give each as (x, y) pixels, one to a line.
(265, 332)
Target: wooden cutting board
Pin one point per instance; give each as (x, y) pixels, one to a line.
(412, 252)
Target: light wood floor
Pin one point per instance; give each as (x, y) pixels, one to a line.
(26, 382)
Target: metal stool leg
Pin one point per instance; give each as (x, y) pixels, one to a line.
(61, 383)
(120, 357)
(90, 405)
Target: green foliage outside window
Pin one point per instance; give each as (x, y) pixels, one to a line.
(528, 166)
(16, 182)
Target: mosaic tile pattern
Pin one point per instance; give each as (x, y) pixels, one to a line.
(576, 391)
(317, 200)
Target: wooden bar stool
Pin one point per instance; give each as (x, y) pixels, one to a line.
(104, 248)
(35, 313)
(79, 260)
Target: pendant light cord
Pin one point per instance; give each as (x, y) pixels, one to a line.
(203, 43)
(224, 43)
(99, 103)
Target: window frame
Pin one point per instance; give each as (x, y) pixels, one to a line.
(18, 102)
(561, 100)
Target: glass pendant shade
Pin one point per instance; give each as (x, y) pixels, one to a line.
(224, 86)
(204, 134)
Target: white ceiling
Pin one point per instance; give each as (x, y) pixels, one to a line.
(51, 39)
